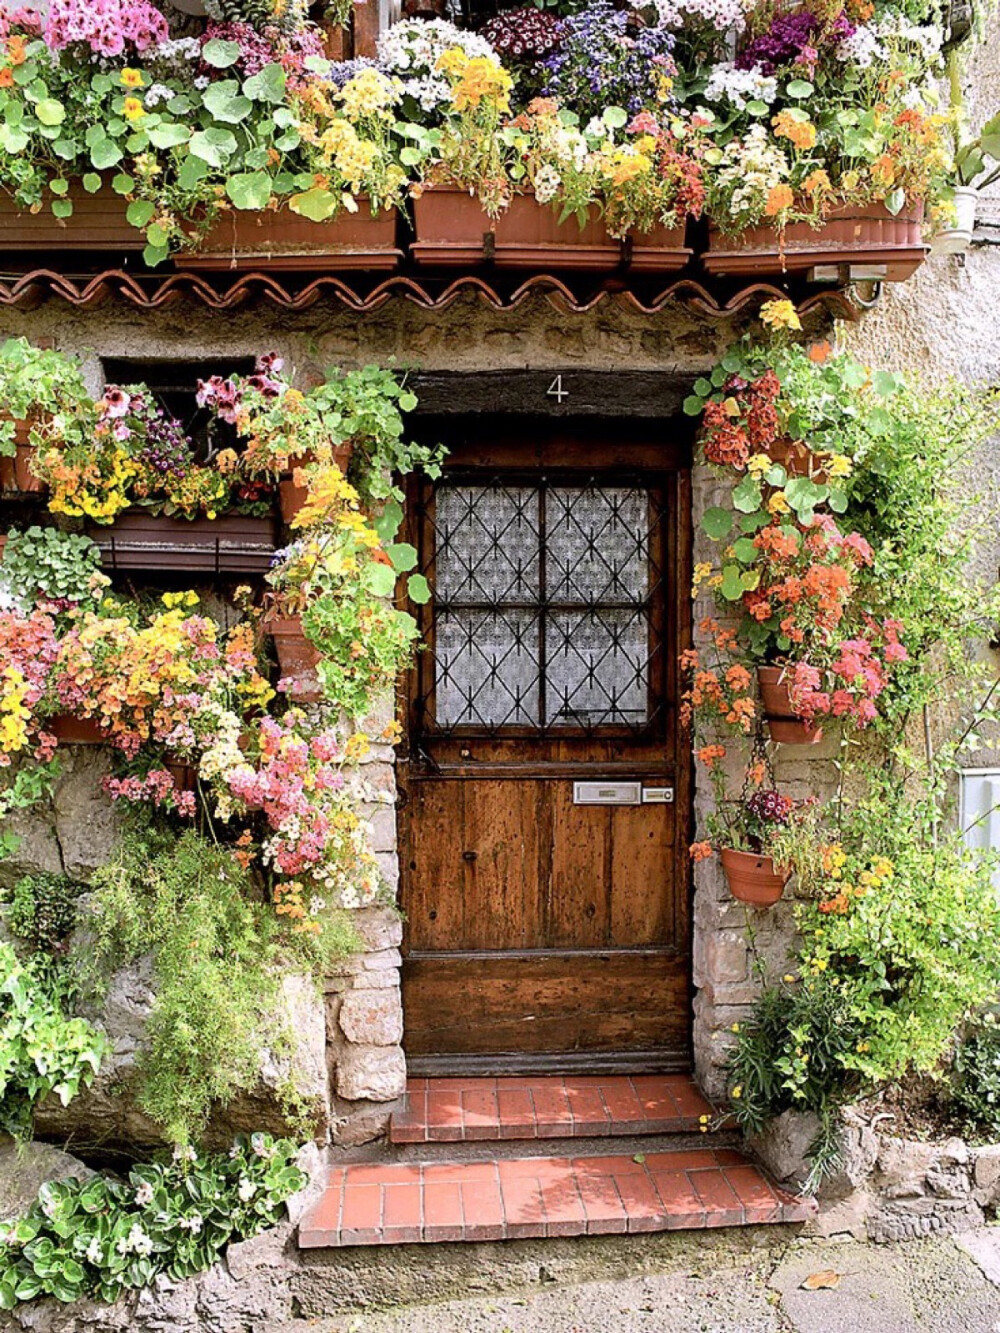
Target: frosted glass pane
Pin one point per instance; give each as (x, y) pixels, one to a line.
(486, 669)
(596, 668)
(487, 544)
(597, 543)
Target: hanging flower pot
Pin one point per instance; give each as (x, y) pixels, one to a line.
(454, 231)
(753, 879)
(292, 494)
(282, 240)
(15, 472)
(798, 460)
(297, 657)
(956, 240)
(783, 722)
(185, 775)
(69, 730)
(866, 234)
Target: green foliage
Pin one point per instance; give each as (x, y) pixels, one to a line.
(34, 383)
(41, 1050)
(975, 1080)
(899, 945)
(44, 563)
(20, 789)
(101, 1237)
(43, 911)
(217, 958)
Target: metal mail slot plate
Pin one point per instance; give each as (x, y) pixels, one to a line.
(607, 793)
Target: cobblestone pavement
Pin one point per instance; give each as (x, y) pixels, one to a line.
(928, 1286)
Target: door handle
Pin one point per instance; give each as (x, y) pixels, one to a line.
(470, 856)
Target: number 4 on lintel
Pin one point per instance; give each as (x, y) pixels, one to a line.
(556, 390)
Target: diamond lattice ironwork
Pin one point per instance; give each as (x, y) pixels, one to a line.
(545, 616)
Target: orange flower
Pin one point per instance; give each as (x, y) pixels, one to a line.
(16, 51)
(709, 754)
(820, 352)
(779, 197)
(802, 133)
(756, 773)
(738, 677)
(700, 851)
(817, 182)
(6, 77)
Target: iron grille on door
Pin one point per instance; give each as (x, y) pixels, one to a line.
(547, 606)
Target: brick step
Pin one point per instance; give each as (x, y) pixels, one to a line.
(530, 1196)
(456, 1110)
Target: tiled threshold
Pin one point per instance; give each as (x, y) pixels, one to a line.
(541, 1196)
(462, 1110)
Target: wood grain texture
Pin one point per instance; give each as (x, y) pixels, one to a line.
(544, 1003)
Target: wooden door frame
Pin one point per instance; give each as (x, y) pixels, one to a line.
(523, 442)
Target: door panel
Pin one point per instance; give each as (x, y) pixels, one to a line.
(540, 929)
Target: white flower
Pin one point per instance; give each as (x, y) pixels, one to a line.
(136, 1242)
(739, 86)
(184, 1153)
(95, 1254)
(723, 15)
(157, 93)
(246, 1189)
(862, 48)
(144, 1194)
(412, 49)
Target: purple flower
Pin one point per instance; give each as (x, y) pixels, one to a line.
(793, 39)
(605, 60)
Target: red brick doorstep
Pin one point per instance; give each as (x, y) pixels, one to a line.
(520, 1198)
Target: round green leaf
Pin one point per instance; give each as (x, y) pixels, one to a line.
(716, 523)
(220, 54)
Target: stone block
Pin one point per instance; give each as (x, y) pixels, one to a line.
(382, 829)
(371, 1073)
(986, 1171)
(378, 928)
(24, 1169)
(388, 866)
(840, 1217)
(372, 1017)
(783, 1145)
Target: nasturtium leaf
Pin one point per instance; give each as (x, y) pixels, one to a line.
(249, 190)
(387, 523)
(716, 523)
(105, 153)
(731, 586)
(226, 103)
(213, 145)
(379, 579)
(123, 183)
(220, 54)
(799, 88)
(747, 495)
(59, 186)
(776, 475)
(267, 85)
(615, 117)
(752, 522)
(419, 589)
(837, 500)
(62, 208)
(169, 135)
(91, 182)
(402, 555)
(407, 401)
(750, 579)
(895, 200)
(702, 387)
(744, 550)
(50, 112)
(316, 204)
(140, 212)
(693, 405)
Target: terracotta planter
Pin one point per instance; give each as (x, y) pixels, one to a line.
(336, 40)
(291, 494)
(866, 236)
(98, 222)
(185, 776)
(783, 722)
(798, 460)
(282, 240)
(15, 472)
(453, 231)
(232, 544)
(297, 658)
(753, 879)
(70, 730)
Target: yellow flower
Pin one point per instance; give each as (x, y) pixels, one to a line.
(840, 466)
(777, 503)
(758, 464)
(701, 572)
(133, 109)
(737, 1092)
(357, 746)
(780, 314)
(369, 93)
(132, 78)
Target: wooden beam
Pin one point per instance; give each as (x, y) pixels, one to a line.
(552, 393)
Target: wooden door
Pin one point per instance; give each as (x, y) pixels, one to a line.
(544, 931)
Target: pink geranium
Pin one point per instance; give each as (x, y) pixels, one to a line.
(108, 27)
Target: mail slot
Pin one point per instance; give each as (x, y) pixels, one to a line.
(607, 793)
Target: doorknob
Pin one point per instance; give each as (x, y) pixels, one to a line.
(470, 856)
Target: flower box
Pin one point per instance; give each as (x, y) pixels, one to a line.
(15, 472)
(98, 222)
(283, 240)
(453, 231)
(798, 460)
(232, 544)
(783, 722)
(297, 657)
(185, 775)
(867, 234)
(69, 730)
(753, 879)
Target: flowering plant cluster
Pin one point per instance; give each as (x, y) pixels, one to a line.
(821, 107)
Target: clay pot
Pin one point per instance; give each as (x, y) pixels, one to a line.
(783, 722)
(292, 496)
(69, 730)
(284, 241)
(98, 222)
(185, 775)
(753, 879)
(798, 460)
(863, 235)
(16, 473)
(297, 658)
(453, 231)
(336, 40)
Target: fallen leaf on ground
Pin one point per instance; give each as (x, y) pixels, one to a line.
(826, 1280)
